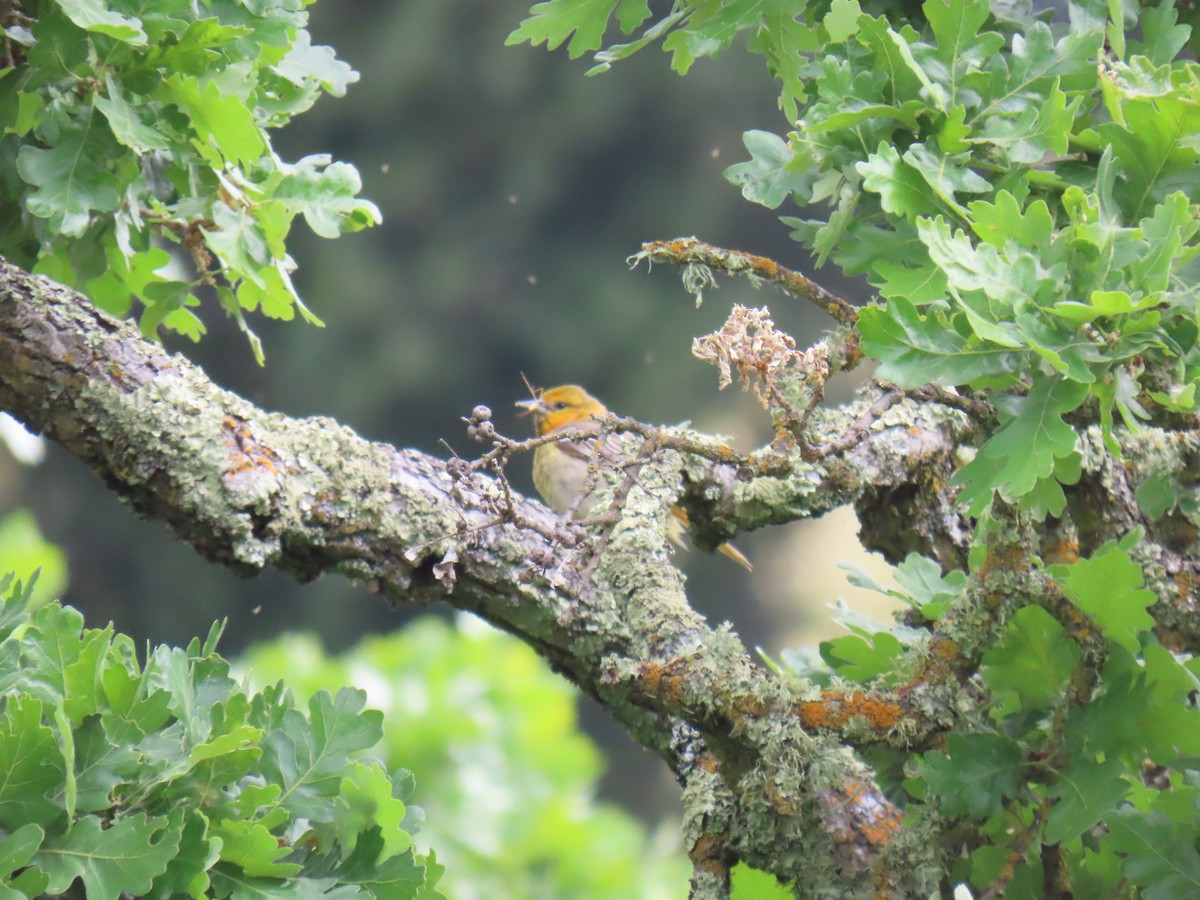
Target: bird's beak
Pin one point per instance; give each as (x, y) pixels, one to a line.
(532, 406)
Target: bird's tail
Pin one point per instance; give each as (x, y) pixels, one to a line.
(677, 532)
(736, 555)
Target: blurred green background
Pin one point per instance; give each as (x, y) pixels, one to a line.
(513, 189)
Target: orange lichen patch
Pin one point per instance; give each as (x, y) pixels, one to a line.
(745, 710)
(837, 708)
(707, 846)
(247, 457)
(1188, 585)
(1063, 551)
(764, 267)
(879, 822)
(660, 681)
(941, 664)
(783, 803)
(1011, 558)
(749, 705)
(727, 453)
(1074, 615)
(677, 248)
(944, 649)
(708, 854)
(860, 820)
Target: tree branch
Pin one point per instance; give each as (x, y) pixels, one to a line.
(766, 777)
(251, 489)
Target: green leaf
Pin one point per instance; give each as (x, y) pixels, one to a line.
(1032, 663)
(854, 658)
(365, 801)
(1046, 497)
(327, 195)
(1086, 792)
(1009, 281)
(708, 29)
(1157, 854)
(1144, 710)
(1157, 494)
(72, 180)
(1025, 448)
(767, 178)
(197, 681)
(24, 551)
(1001, 220)
(918, 285)
(841, 22)
(962, 41)
(947, 176)
(1110, 587)
(583, 21)
(309, 758)
(1036, 132)
(31, 764)
(1166, 230)
(101, 765)
(900, 54)
(223, 124)
(17, 848)
(921, 583)
(921, 579)
(914, 350)
(1156, 150)
(902, 76)
(1163, 36)
(752, 884)
(397, 876)
(98, 16)
(901, 188)
(975, 775)
(127, 122)
(252, 846)
(237, 237)
(785, 41)
(29, 108)
(188, 871)
(125, 857)
(1103, 305)
(304, 64)
(953, 132)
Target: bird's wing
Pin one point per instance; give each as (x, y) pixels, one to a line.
(613, 447)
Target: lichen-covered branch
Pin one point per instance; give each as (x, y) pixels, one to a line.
(252, 489)
(684, 251)
(765, 773)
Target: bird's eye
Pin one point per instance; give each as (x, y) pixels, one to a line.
(559, 405)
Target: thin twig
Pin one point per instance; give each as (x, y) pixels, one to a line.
(859, 428)
(1017, 847)
(683, 251)
(935, 393)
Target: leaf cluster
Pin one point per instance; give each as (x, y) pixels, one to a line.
(1103, 770)
(1089, 756)
(166, 779)
(135, 127)
(508, 779)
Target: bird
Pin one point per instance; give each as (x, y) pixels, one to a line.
(560, 468)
